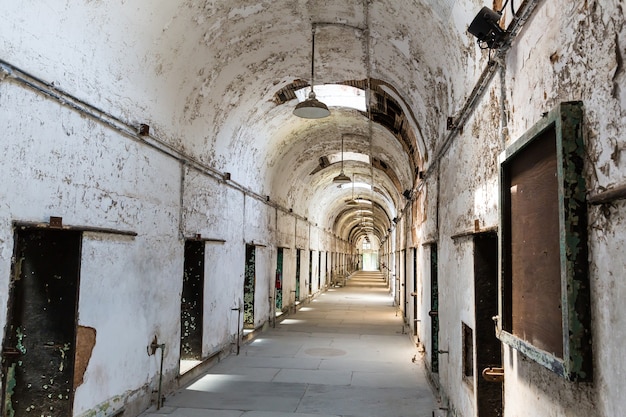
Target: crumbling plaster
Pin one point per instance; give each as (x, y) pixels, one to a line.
(577, 58)
(90, 175)
(68, 166)
(202, 75)
(576, 55)
(182, 50)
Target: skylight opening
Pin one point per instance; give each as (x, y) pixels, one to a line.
(335, 95)
(348, 156)
(357, 185)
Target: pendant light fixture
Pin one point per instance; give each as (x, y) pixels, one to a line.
(341, 178)
(312, 108)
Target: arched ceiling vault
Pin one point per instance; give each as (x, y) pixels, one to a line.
(218, 79)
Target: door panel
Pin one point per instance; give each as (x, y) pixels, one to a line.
(434, 309)
(298, 256)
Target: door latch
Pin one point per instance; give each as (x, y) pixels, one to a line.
(492, 374)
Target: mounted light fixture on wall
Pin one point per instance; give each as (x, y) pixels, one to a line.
(341, 178)
(312, 108)
(485, 27)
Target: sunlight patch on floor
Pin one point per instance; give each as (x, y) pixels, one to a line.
(188, 364)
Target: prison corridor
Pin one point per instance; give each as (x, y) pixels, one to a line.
(342, 353)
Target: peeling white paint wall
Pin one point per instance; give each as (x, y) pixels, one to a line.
(203, 77)
(65, 164)
(567, 51)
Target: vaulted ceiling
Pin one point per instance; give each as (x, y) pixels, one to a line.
(219, 80)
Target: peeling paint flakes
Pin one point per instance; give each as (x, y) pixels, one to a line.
(403, 46)
(245, 11)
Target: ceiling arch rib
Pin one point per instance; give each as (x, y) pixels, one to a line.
(348, 220)
(387, 114)
(385, 109)
(336, 199)
(311, 173)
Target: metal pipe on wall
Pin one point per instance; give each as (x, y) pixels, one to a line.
(153, 348)
(12, 72)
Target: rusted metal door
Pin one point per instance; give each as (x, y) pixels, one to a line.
(279, 279)
(405, 289)
(192, 301)
(319, 270)
(298, 256)
(310, 283)
(415, 299)
(434, 310)
(39, 343)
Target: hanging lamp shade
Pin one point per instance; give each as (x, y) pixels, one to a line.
(312, 108)
(342, 178)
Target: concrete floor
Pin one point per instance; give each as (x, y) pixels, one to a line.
(343, 354)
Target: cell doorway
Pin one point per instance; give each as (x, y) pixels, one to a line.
(249, 287)
(319, 270)
(434, 310)
(279, 280)
(310, 282)
(191, 306)
(488, 347)
(298, 264)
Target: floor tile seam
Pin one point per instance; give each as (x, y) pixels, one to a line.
(302, 397)
(402, 390)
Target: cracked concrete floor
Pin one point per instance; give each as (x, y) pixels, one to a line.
(343, 354)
